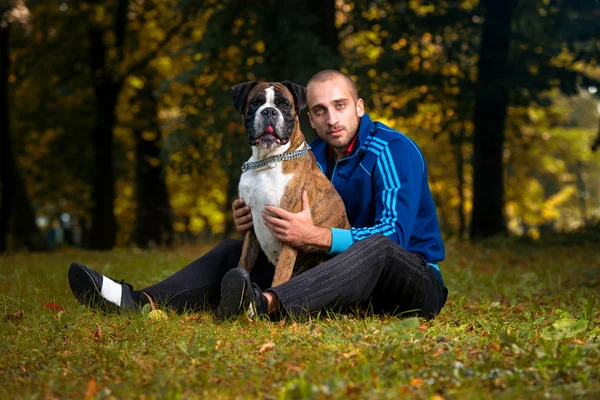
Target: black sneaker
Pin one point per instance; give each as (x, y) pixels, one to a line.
(239, 295)
(100, 292)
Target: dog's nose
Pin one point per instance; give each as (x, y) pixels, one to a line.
(269, 112)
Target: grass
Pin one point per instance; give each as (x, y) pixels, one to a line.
(521, 321)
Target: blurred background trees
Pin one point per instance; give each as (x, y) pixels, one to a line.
(116, 123)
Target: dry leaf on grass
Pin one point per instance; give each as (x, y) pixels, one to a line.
(53, 306)
(91, 389)
(417, 382)
(15, 316)
(266, 347)
(97, 335)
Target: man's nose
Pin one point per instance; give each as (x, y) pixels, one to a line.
(269, 112)
(333, 119)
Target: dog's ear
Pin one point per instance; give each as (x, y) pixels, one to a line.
(299, 93)
(240, 94)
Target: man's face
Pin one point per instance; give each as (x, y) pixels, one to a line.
(333, 113)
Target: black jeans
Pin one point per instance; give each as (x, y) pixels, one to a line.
(375, 272)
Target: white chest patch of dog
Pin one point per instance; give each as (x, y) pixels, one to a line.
(258, 189)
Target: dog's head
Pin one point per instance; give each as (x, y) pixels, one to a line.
(270, 110)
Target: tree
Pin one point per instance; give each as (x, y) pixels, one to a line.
(154, 219)
(489, 118)
(110, 68)
(6, 157)
(17, 216)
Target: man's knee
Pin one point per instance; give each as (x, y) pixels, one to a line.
(381, 243)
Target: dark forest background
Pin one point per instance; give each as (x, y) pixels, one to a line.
(117, 129)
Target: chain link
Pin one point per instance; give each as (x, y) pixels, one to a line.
(275, 159)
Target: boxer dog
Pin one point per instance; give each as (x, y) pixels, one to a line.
(280, 169)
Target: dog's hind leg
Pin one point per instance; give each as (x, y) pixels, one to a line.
(250, 251)
(285, 264)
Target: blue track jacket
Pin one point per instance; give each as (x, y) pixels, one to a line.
(384, 186)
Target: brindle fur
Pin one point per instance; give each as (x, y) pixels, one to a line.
(326, 205)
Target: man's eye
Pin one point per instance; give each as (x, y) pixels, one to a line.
(341, 105)
(319, 111)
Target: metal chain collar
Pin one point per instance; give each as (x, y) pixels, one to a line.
(275, 159)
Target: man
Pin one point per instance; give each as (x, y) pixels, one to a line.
(387, 261)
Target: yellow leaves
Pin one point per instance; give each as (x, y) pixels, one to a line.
(367, 45)
(550, 208)
(149, 136)
(450, 69)
(427, 37)
(136, 82)
(468, 5)
(196, 224)
(420, 8)
(400, 44)
(163, 64)
(533, 69)
(259, 46)
(98, 13)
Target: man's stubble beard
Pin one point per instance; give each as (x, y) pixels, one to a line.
(352, 128)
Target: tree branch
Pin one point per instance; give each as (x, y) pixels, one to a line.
(142, 63)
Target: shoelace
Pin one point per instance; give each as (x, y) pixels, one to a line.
(121, 282)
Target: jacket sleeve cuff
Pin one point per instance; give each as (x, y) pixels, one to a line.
(341, 239)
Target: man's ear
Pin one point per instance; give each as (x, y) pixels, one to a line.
(240, 94)
(299, 93)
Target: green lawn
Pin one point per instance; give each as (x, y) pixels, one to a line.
(521, 322)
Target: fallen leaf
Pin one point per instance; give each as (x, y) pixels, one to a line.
(15, 316)
(494, 346)
(352, 389)
(92, 388)
(294, 368)
(438, 352)
(273, 332)
(266, 347)
(436, 397)
(53, 306)
(422, 328)
(417, 382)
(350, 354)
(97, 335)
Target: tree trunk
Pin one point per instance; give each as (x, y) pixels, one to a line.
(457, 144)
(104, 226)
(6, 157)
(581, 191)
(107, 86)
(596, 143)
(154, 217)
(26, 234)
(490, 115)
(328, 32)
(17, 215)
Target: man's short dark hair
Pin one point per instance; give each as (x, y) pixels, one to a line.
(329, 74)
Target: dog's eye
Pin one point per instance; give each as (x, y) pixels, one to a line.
(255, 103)
(284, 105)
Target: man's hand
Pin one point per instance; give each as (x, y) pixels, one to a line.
(242, 216)
(298, 229)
